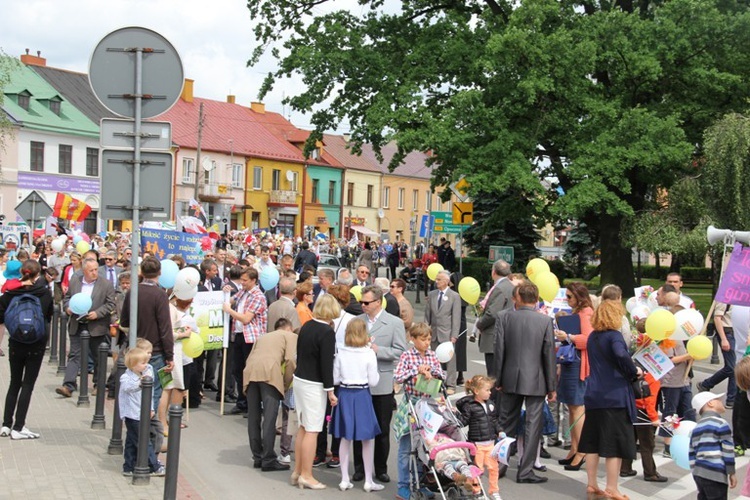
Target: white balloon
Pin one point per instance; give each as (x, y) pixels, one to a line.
(640, 312)
(64, 237)
(444, 352)
(57, 245)
(188, 276)
(630, 304)
(184, 291)
(689, 324)
(685, 428)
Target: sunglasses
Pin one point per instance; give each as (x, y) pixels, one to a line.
(394, 286)
(363, 272)
(367, 302)
(109, 260)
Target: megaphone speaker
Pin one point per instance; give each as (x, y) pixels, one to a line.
(742, 237)
(715, 236)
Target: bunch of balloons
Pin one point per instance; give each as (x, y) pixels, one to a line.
(539, 273)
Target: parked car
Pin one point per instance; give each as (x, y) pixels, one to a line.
(328, 261)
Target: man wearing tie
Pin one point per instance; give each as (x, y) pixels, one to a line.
(443, 314)
(363, 276)
(499, 298)
(110, 270)
(211, 282)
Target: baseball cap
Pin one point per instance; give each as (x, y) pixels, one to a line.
(700, 399)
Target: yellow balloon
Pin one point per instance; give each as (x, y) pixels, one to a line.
(433, 269)
(468, 289)
(699, 347)
(357, 292)
(548, 285)
(660, 324)
(535, 267)
(83, 246)
(193, 345)
(384, 302)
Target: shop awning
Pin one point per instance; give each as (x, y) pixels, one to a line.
(365, 231)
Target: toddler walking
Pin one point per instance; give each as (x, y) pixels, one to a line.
(355, 370)
(479, 412)
(129, 400)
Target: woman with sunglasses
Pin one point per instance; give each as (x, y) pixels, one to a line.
(571, 387)
(305, 297)
(407, 311)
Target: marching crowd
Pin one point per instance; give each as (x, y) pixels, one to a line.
(330, 350)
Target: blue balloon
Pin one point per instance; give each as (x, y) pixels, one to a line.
(169, 270)
(679, 449)
(80, 304)
(269, 277)
(77, 239)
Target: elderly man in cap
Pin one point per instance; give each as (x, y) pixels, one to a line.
(110, 270)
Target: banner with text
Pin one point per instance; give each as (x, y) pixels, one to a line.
(162, 243)
(735, 284)
(206, 309)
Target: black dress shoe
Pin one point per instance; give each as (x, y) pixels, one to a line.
(383, 477)
(358, 476)
(531, 479)
(235, 410)
(256, 464)
(544, 453)
(656, 479)
(275, 466)
(541, 468)
(628, 473)
(210, 387)
(577, 466)
(565, 461)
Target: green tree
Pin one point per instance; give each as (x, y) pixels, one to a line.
(607, 100)
(580, 248)
(7, 66)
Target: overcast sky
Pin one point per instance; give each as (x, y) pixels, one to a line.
(214, 39)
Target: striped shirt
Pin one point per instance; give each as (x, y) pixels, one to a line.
(712, 449)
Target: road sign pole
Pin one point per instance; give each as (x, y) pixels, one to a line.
(461, 253)
(135, 242)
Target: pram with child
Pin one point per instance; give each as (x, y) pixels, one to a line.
(441, 458)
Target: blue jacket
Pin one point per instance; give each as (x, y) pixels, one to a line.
(606, 386)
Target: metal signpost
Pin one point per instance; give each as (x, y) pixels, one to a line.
(136, 73)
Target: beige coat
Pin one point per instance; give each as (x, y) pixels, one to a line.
(270, 352)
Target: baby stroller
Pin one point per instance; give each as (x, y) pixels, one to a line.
(430, 419)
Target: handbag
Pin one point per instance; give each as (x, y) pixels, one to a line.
(567, 354)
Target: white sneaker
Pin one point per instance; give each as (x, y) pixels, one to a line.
(24, 434)
(496, 496)
(5, 432)
(373, 487)
(284, 459)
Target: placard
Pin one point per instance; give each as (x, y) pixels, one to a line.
(162, 243)
(735, 284)
(654, 361)
(209, 316)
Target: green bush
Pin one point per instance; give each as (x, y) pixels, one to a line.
(479, 269)
(696, 273)
(559, 269)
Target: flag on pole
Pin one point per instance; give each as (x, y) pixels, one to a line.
(193, 225)
(67, 207)
(198, 211)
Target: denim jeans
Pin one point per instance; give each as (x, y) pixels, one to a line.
(677, 400)
(131, 448)
(404, 461)
(726, 371)
(157, 362)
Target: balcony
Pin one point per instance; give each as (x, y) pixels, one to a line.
(214, 192)
(283, 198)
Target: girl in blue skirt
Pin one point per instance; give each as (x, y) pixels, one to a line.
(355, 370)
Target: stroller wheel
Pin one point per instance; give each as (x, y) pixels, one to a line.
(418, 495)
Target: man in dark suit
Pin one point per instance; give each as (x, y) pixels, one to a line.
(388, 342)
(223, 267)
(499, 298)
(305, 257)
(97, 321)
(525, 373)
(363, 276)
(210, 272)
(325, 279)
(110, 270)
(345, 278)
(210, 359)
(443, 314)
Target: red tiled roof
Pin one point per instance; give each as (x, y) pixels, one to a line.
(414, 165)
(222, 122)
(336, 146)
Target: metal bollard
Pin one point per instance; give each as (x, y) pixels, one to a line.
(419, 278)
(98, 421)
(83, 386)
(716, 348)
(115, 442)
(63, 353)
(173, 452)
(53, 336)
(142, 473)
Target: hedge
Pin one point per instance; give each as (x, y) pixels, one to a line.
(479, 269)
(651, 272)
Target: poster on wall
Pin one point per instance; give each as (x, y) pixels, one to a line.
(15, 236)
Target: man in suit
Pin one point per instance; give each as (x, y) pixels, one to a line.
(211, 281)
(325, 279)
(210, 360)
(525, 373)
(346, 279)
(363, 276)
(97, 321)
(265, 385)
(284, 306)
(223, 266)
(499, 298)
(305, 257)
(110, 270)
(388, 342)
(443, 314)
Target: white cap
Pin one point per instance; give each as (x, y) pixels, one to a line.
(700, 399)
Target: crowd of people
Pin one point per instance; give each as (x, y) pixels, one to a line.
(330, 350)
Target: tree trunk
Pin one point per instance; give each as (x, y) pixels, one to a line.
(617, 261)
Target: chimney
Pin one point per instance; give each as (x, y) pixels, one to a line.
(230, 99)
(258, 107)
(36, 60)
(187, 90)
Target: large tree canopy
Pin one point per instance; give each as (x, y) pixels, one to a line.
(608, 100)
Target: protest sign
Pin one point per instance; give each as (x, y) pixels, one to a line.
(430, 420)
(162, 243)
(735, 284)
(654, 361)
(15, 236)
(206, 309)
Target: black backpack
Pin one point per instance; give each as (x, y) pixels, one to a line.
(24, 319)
